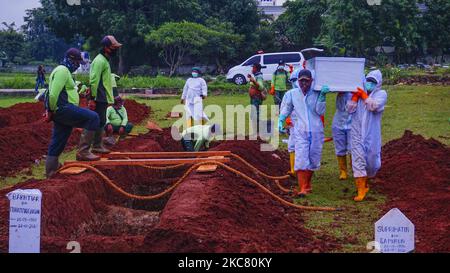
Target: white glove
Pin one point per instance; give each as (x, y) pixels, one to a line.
(351, 106)
(371, 104)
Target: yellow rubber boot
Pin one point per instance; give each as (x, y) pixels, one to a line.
(190, 122)
(350, 162)
(292, 164)
(363, 188)
(342, 160)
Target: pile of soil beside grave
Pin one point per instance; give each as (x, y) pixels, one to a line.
(415, 175)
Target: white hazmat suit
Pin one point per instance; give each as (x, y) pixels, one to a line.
(366, 129)
(193, 91)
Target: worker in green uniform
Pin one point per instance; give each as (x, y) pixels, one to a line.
(117, 121)
(280, 80)
(197, 138)
(101, 90)
(257, 93)
(62, 108)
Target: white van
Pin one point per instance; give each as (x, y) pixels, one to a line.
(269, 63)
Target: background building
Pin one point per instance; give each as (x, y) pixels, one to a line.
(272, 7)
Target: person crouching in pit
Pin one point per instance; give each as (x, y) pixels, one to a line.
(117, 121)
(197, 138)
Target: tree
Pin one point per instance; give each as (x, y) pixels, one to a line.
(176, 40)
(396, 24)
(41, 43)
(434, 26)
(130, 21)
(348, 28)
(301, 23)
(12, 42)
(223, 44)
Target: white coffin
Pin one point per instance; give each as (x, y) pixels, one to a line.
(339, 73)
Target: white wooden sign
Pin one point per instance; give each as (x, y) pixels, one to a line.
(25, 221)
(394, 233)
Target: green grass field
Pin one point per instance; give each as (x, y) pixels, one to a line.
(424, 110)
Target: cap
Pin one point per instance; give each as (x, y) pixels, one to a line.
(118, 100)
(196, 69)
(281, 62)
(110, 41)
(304, 74)
(74, 54)
(257, 66)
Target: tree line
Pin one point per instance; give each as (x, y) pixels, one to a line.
(224, 32)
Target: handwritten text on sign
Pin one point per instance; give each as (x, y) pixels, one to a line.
(395, 233)
(25, 221)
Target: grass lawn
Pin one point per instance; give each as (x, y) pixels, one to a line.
(422, 109)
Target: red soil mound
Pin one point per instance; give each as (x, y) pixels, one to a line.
(416, 177)
(221, 212)
(217, 212)
(20, 114)
(26, 140)
(154, 141)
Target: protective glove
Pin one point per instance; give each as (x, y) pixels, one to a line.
(355, 97)
(281, 124)
(109, 129)
(371, 104)
(323, 93)
(122, 131)
(92, 105)
(362, 94)
(272, 90)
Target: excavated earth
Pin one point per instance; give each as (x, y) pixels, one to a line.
(215, 212)
(415, 176)
(25, 136)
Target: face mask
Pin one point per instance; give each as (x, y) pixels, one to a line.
(194, 75)
(70, 65)
(280, 68)
(370, 86)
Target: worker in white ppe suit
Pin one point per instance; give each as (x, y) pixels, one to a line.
(194, 92)
(290, 124)
(308, 106)
(341, 132)
(367, 110)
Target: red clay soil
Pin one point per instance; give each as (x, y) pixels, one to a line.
(21, 113)
(223, 213)
(25, 141)
(416, 178)
(217, 212)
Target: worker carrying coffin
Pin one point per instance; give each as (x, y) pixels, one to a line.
(367, 108)
(197, 138)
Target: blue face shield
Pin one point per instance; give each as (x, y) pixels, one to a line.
(370, 86)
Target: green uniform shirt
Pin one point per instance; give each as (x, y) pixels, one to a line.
(62, 89)
(114, 119)
(100, 80)
(200, 134)
(280, 79)
(260, 81)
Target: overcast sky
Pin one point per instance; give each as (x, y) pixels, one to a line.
(14, 10)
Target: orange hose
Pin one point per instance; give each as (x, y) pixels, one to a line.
(173, 187)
